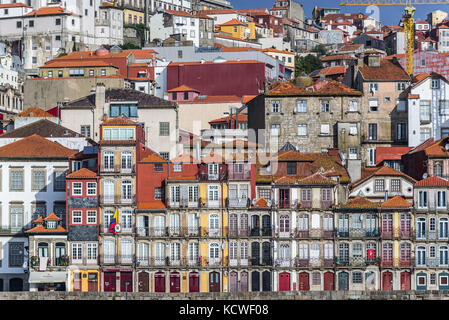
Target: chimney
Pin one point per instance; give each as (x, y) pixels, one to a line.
(100, 100)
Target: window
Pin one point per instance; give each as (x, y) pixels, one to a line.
(50, 74)
(158, 167)
(424, 134)
(16, 218)
(325, 128)
(444, 132)
(77, 217)
(16, 180)
(424, 111)
(372, 131)
(302, 129)
(435, 84)
(275, 106)
(19, 24)
(177, 167)
(126, 193)
(158, 193)
(301, 106)
(85, 131)
(128, 110)
(92, 252)
(441, 199)
(373, 87)
(353, 153)
(443, 228)
(91, 73)
(92, 217)
(60, 73)
(91, 188)
(265, 193)
(379, 185)
(401, 131)
(15, 254)
(164, 128)
(291, 168)
(422, 199)
(77, 188)
(400, 86)
(325, 106)
(444, 107)
(103, 72)
(373, 105)
(395, 185)
(276, 130)
(38, 179)
(58, 21)
(77, 252)
(165, 155)
(433, 278)
(356, 277)
(353, 106)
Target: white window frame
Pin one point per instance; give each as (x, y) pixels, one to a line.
(91, 214)
(80, 216)
(75, 189)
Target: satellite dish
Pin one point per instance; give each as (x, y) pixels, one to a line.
(425, 175)
(269, 203)
(118, 228)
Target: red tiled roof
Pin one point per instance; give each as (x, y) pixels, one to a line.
(78, 63)
(318, 178)
(386, 71)
(154, 158)
(82, 174)
(232, 22)
(396, 202)
(52, 217)
(328, 87)
(360, 203)
(49, 11)
(41, 229)
(35, 112)
(184, 158)
(140, 53)
(238, 49)
(35, 146)
(384, 171)
(182, 88)
(351, 47)
(120, 120)
(291, 155)
(277, 51)
(390, 153)
(432, 181)
(14, 5)
(246, 99)
(332, 71)
(216, 99)
(242, 117)
(150, 205)
(200, 14)
(337, 57)
(39, 220)
(212, 158)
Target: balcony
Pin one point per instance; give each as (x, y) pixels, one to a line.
(305, 204)
(431, 263)
(386, 234)
(326, 204)
(118, 169)
(239, 262)
(245, 175)
(167, 231)
(7, 230)
(118, 199)
(386, 262)
(214, 262)
(405, 262)
(315, 234)
(209, 232)
(237, 202)
(125, 259)
(108, 259)
(240, 232)
(407, 234)
(284, 204)
(182, 203)
(207, 203)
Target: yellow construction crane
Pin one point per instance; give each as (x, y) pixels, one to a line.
(409, 23)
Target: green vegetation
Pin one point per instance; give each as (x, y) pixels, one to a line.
(307, 64)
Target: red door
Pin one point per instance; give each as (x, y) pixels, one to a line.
(233, 281)
(126, 281)
(175, 282)
(159, 282)
(304, 281)
(109, 282)
(329, 281)
(144, 280)
(244, 281)
(284, 281)
(405, 281)
(387, 278)
(214, 282)
(92, 282)
(194, 282)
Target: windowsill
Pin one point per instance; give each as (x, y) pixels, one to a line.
(357, 111)
(325, 135)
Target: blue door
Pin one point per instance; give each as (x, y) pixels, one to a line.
(421, 281)
(443, 279)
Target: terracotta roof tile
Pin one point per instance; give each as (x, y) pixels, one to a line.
(360, 203)
(216, 99)
(35, 146)
(432, 181)
(212, 158)
(182, 88)
(42, 229)
(150, 205)
(35, 112)
(330, 71)
(78, 63)
(337, 57)
(386, 71)
(120, 120)
(184, 158)
(327, 88)
(384, 171)
(242, 117)
(52, 217)
(39, 220)
(390, 153)
(396, 202)
(232, 22)
(291, 155)
(49, 11)
(82, 173)
(154, 158)
(246, 99)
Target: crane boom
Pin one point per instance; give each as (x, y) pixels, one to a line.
(390, 2)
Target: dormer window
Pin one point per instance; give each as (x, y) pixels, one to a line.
(51, 224)
(291, 168)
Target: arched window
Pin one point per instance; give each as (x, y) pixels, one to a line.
(443, 255)
(284, 224)
(214, 224)
(214, 254)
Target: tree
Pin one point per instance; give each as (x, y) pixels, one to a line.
(307, 64)
(128, 46)
(320, 49)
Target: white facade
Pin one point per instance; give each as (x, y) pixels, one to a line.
(179, 5)
(220, 18)
(160, 77)
(443, 39)
(428, 110)
(8, 71)
(368, 188)
(109, 26)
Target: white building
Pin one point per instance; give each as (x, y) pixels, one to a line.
(180, 5)
(11, 81)
(428, 109)
(109, 25)
(443, 38)
(29, 189)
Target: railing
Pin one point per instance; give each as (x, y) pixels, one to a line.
(406, 233)
(284, 204)
(386, 262)
(208, 232)
(7, 230)
(260, 260)
(182, 203)
(117, 199)
(124, 229)
(207, 203)
(404, 262)
(125, 259)
(245, 175)
(301, 262)
(212, 177)
(237, 202)
(117, 169)
(386, 234)
(314, 233)
(304, 204)
(326, 204)
(167, 231)
(109, 259)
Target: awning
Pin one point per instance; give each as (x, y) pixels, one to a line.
(47, 277)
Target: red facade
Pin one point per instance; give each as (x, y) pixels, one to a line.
(218, 79)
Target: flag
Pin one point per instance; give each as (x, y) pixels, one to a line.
(114, 222)
(370, 253)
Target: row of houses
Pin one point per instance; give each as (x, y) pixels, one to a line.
(286, 221)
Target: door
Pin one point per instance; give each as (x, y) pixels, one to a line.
(77, 281)
(214, 282)
(343, 225)
(92, 282)
(16, 284)
(144, 279)
(126, 281)
(109, 282)
(284, 281)
(159, 282)
(343, 281)
(266, 225)
(304, 282)
(266, 281)
(387, 279)
(329, 281)
(233, 281)
(255, 281)
(194, 282)
(405, 281)
(244, 281)
(175, 282)
(266, 253)
(255, 225)
(284, 198)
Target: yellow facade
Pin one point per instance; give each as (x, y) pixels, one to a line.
(84, 279)
(239, 31)
(93, 71)
(133, 16)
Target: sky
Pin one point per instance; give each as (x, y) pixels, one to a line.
(389, 15)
